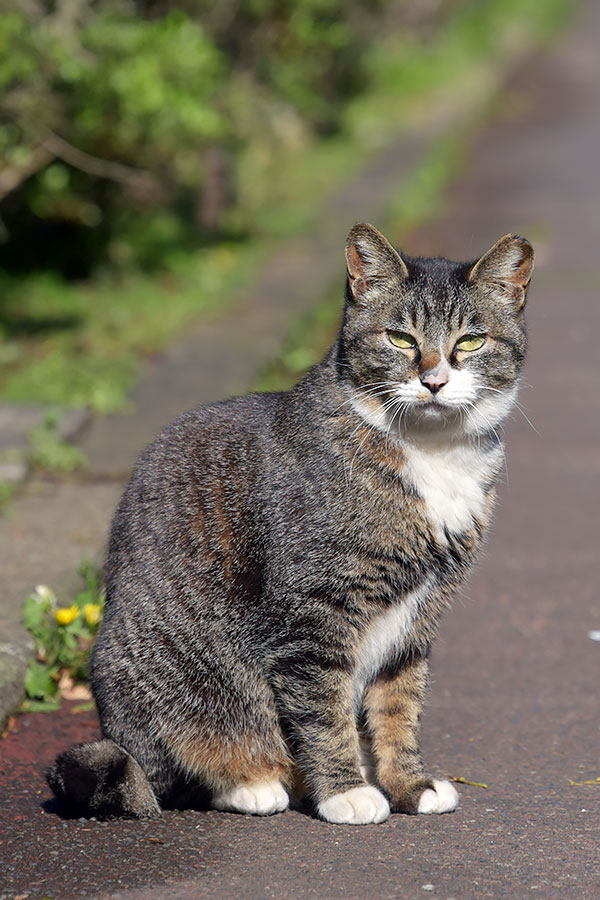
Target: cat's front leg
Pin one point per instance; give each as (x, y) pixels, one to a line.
(318, 707)
(393, 704)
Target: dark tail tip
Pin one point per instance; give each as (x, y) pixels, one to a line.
(100, 779)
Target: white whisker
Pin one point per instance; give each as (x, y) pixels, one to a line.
(517, 406)
(496, 435)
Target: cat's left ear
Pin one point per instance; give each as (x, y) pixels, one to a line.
(506, 268)
(371, 260)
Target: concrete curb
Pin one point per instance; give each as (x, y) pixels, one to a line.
(16, 649)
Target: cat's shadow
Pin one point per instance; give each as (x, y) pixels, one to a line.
(53, 808)
(199, 801)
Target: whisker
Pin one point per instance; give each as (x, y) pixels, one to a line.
(373, 392)
(497, 436)
(360, 425)
(369, 430)
(527, 419)
(517, 406)
(386, 406)
(469, 414)
(397, 407)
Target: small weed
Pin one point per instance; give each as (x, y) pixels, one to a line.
(63, 637)
(50, 452)
(106, 329)
(7, 492)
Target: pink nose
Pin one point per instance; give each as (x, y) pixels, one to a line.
(434, 379)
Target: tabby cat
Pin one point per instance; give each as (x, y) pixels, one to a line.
(279, 562)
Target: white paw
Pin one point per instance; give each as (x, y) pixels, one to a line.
(443, 798)
(259, 798)
(358, 806)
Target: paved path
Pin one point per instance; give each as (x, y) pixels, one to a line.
(514, 699)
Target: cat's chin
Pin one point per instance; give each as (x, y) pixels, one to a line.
(435, 408)
(434, 423)
(433, 416)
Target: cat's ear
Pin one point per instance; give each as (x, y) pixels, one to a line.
(506, 268)
(371, 260)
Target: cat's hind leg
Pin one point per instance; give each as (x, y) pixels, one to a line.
(245, 773)
(236, 748)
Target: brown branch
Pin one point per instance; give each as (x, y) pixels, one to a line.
(99, 168)
(51, 146)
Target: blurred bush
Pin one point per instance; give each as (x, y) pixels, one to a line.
(125, 125)
(154, 144)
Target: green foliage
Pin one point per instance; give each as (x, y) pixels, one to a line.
(85, 344)
(63, 638)
(115, 114)
(137, 127)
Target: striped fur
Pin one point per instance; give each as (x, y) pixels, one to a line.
(278, 563)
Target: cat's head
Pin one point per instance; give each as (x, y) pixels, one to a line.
(430, 344)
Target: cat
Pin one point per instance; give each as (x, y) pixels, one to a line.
(279, 562)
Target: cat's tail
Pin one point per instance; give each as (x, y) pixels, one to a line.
(100, 779)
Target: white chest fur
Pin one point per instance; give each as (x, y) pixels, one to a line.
(386, 636)
(451, 481)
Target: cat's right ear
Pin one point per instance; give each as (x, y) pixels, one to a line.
(371, 260)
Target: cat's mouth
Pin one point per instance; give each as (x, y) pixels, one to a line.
(436, 404)
(434, 411)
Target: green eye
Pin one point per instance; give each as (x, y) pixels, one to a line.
(402, 339)
(471, 342)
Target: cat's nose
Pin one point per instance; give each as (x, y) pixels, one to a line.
(434, 381)
(434, 372)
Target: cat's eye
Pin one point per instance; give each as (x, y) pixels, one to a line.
(402, 340)
(471, 342)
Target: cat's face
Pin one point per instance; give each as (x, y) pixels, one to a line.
(428, 344)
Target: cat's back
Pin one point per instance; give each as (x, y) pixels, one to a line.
(192, 484)
(204, 440)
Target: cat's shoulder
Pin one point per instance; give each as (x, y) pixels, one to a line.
(244, 413)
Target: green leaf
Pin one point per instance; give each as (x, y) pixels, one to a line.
(69, 639)
(84, 707)
(33, 613)
(84, 597)
(41, 705)
(39, 683)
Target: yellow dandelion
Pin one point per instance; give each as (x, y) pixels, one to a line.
(66, 614)
(91, 612)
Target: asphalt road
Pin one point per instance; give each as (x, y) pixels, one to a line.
(514, 701)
